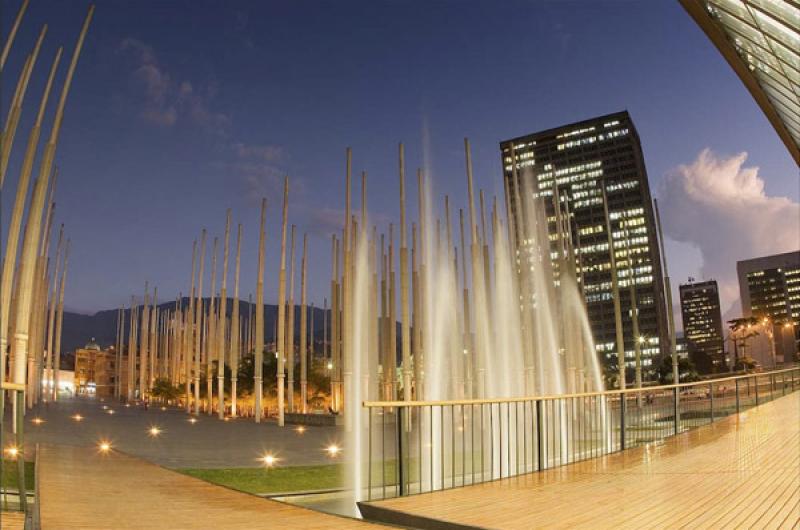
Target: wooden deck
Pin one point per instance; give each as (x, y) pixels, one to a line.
(743, 471)
(12, 520)
(80, 488)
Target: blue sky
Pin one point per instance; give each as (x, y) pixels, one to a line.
(180, 110)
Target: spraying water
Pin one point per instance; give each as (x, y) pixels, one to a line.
(506, 320)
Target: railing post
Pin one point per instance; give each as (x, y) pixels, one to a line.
(400, 477)
(755, 380)
(711, 398)
(622, 422)
(369, 455)
(23, 492)
(675, 420)
(737, 396)
(539, 448)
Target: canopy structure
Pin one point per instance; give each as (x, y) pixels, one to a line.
(760, 39)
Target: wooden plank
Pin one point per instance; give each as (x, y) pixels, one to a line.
(81, 488)
(742, 470)
(12, 520)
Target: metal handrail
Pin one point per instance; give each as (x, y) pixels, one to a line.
(550, 397)
(419, 446)
(19, 390)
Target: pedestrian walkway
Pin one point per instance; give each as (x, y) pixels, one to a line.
(79, 487)
(740, 472)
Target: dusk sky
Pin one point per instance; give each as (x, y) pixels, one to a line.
(180, 110)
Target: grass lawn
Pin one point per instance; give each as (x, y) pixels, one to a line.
(260, 480)
(8, 478)
(275, 480)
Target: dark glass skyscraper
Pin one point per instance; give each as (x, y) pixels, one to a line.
(702, 325)
(579, 160)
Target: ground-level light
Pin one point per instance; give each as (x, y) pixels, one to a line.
(154, 431)
(333, 450)
(77, 417)
(104, 446)
(269, 460)
(12, 451)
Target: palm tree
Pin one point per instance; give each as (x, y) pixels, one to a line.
(742, 330)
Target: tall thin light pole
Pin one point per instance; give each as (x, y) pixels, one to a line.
(33, 227)
(234, 351)
(17, 212)
(12, 33)
(223, 310)
(615, 293)
(258, 358)
(279, 345)
(289, 355)
(303, 331)
(198, 321)
(52, 317)
(59, 323)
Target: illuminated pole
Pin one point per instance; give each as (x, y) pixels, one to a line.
(12, 119)
(282, 304)
(211, 342)
(131, 351)
(392, 310)
(118, 348)
(12, 237)
(223, 310)
(52, 316)
(188, 330)
(258, 358)
(234, 352)
(198, 321)
(12, 34)
(673, 349)
(615, 294)
(59, 323)
(33, 228)
(637, 339)
(346, 352)
(404, 302)
(468, 348)
(334, 320)
(289, 350)
(153, 353)
(143, 336)
(304, 330)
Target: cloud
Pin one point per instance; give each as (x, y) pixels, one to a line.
(720, 206)
(167, 100)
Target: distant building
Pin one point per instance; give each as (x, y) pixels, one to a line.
(580, 160)
(95, 370)
(760, 40)
(769, 288)
(702, 325)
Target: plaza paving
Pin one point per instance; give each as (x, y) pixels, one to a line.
(207, 443)
(81, 488)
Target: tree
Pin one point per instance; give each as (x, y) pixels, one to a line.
(164, 390)
(746, 364)
(742, 330)
(686, 371)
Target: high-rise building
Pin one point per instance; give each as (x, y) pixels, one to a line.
(760, 39)
(769, 288)
(702, 325)
(579, 161)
